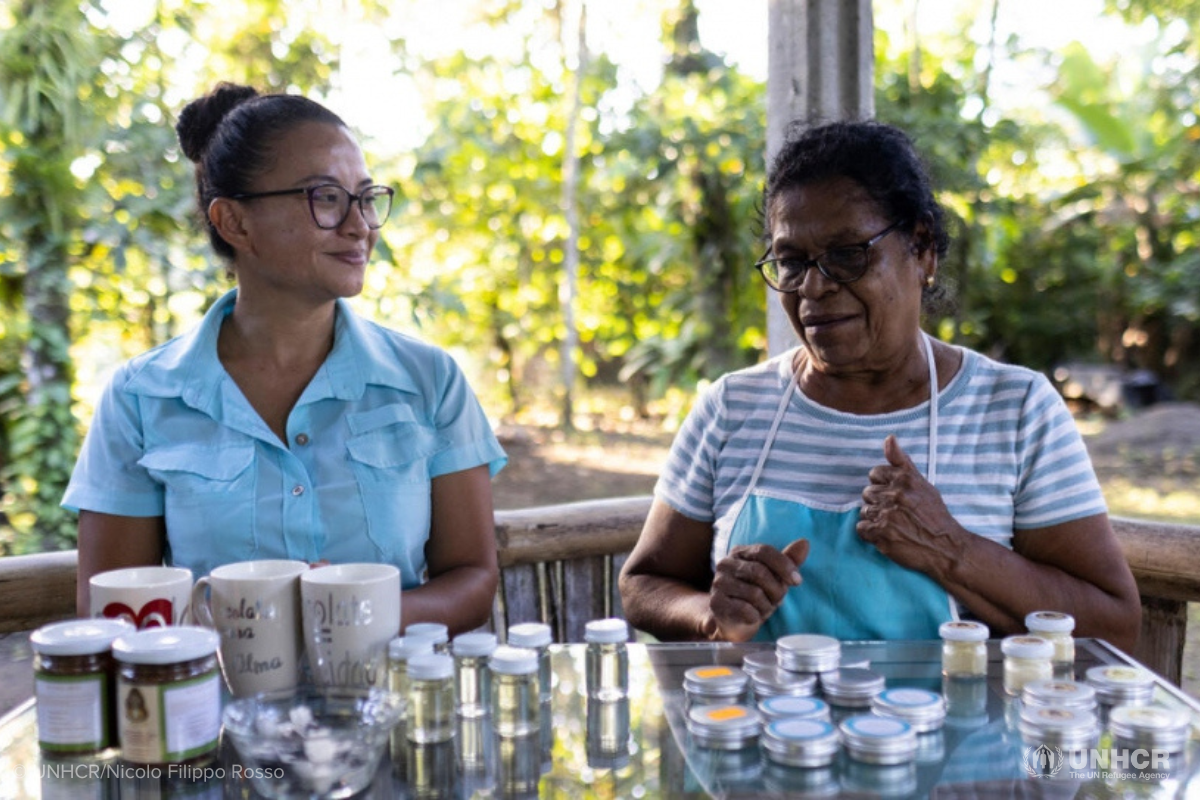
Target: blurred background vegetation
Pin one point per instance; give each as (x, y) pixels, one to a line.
(579, 239)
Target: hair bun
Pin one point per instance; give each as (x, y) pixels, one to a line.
(199, 119)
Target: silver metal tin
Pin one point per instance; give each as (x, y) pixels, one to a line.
(851, 687)
(879, 740)
(774, 682)
(1118, 685)
(1059, 692)
(800, 742)
(808, 652)
(759, 660)
(728, 727)
(716, 684)
(785, 706)
(1065, 728)
(923, 709)
(1150, 727)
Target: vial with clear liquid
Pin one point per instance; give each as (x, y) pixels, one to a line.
(607, 659)
(516, 704)
(430, 698)
(535, 636)
(471, 676)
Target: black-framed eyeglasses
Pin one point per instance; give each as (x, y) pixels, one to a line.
(330, 203)
(840, 264)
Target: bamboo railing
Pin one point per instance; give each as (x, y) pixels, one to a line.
(559, 565)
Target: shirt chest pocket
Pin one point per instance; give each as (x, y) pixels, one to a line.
(390, 446)
(196, 474)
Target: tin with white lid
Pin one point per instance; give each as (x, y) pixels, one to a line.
(785, 706)
(774, 682)
(1117, 685)
(1150, 727)
(923, 709)
(879, 740)
(1065, 728)
(728, 727)
(851, 687)
(800, 742)
(1059, 692)
(716, 684)
(808, 652)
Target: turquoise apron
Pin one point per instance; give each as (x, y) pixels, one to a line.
(850, 589)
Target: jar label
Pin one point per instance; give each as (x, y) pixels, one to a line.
(714, 672)
(169, 722)
(728, 712)
(71, 713)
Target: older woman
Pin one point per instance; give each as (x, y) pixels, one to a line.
(284, 425)
(873, 482)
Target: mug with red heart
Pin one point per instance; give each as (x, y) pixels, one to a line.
(149, 597)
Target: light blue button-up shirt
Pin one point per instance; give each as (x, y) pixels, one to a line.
(173, 436)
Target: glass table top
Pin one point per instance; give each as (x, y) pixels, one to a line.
(641, 748)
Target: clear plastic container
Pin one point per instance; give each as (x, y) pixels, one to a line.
(607, 659)
(1026, 659)
(516, 702)
(430, 698)
(1056, 628)
(535, 636)
(964, 649)
(472, 679)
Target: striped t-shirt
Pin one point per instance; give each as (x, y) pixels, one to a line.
(1009, 455)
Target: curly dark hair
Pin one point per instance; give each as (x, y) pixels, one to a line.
(879, 157)
(230, 134)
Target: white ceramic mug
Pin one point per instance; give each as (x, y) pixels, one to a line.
(350, 613)
(255, 606)
(149, 597)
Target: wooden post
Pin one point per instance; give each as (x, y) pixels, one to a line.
(820, 67)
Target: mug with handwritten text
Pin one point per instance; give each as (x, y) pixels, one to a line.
(148, 597)
(350, 613)
(255, 606)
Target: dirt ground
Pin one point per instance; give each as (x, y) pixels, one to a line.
(1149, 463)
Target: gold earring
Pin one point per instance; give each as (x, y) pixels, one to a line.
(929, 280)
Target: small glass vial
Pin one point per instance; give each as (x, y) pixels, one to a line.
(964, 649)
(535, 636)
(1059, 692)
(716, 685)
(732, 727)
(1151, 728)
(923, 709)
(437, 633)
(516, 703)
(774, 682)
(76, 686)
(1055, 627)
(790, 707)
(800, 742)
(1070, 729)
(851, 687)
(879, 740)
(430, 698)
(400, 650)
(1026, 659)
(607, 659)
(472, 679)
(168, 694)
(759, 660)
(808, 652)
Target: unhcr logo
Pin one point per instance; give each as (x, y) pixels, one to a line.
(1046, 761)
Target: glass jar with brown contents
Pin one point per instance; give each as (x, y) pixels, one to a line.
(168, 695)
(75, 685)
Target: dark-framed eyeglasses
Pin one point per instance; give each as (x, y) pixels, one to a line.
(330, 203)
(840, 264)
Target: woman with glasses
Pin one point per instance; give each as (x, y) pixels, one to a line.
(286, 426)
(873, 482)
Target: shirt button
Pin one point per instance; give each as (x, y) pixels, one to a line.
(297, 490)
(302, 438)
